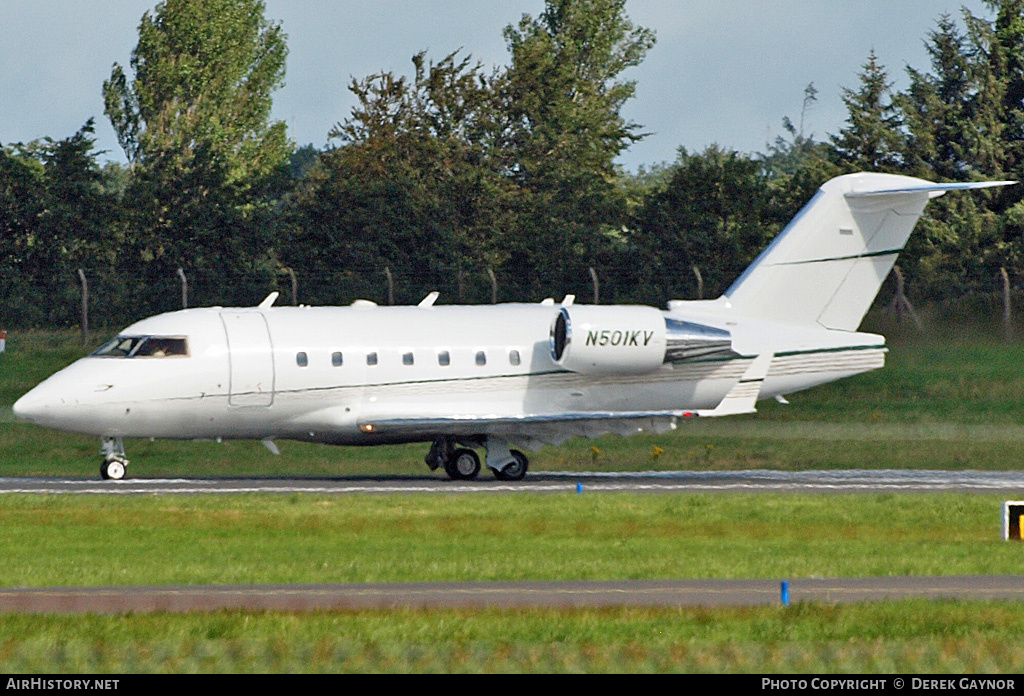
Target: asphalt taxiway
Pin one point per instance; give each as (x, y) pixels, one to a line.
(501, 595)
(839, 481)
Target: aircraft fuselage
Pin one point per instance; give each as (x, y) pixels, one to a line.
(341, 375)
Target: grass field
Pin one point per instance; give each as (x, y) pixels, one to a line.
(885, 638)
(259, 539)
(952, 402)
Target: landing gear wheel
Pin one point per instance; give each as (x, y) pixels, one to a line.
(112, 468)
(463, 465)
(516, 470)
(114, 460)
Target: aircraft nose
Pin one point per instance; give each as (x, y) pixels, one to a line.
(29, 407)
(46, 404)
(68, 400)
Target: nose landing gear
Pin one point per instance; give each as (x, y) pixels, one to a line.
(115, 463)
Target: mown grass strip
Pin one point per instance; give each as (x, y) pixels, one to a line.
(899, 637)
(253, 539)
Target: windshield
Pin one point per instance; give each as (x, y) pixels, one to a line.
(143, 347)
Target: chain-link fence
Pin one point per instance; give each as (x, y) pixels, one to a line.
(109, 300)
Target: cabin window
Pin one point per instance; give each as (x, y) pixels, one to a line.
(336, 359)
(481, 357)
(144, 347)
(407, 358)
(371, 358)
(513, 357)
(301, 359)
(444, 358)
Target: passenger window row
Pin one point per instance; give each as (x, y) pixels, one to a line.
(444, 358)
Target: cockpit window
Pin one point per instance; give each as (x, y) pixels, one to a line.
(144, 347)
(161, 347)
(119, 347)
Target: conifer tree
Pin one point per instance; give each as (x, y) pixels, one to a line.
(871, 140)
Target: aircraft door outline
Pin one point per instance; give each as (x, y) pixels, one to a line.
(252, 377)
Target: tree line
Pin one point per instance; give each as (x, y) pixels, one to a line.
(458, 173)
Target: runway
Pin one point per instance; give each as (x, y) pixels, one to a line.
(751, 481)
(501, 595)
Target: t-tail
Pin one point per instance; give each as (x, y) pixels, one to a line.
(826, 267)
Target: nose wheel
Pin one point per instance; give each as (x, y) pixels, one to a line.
(115, 463)
(113, 468)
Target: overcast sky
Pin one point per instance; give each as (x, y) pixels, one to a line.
(722, 72)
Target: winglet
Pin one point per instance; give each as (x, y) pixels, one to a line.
(429, 300)
(269, 301)
(742, 398)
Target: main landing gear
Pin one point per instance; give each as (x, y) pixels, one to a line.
(463, 464)
(115, 463)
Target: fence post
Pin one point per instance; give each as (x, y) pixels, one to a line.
(700, 282)
(900, 302)
(85, 307)
(184, 288)
(295, 287)
(1007, 318)
(494, 285)
(597, 286)
(391, 285)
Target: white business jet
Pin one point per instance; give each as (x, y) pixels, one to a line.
(507, 377)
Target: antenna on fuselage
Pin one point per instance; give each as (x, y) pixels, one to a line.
(269, 301)
(430, 299)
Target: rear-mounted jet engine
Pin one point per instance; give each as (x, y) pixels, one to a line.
(631, 340)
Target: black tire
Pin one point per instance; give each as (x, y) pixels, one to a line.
(112, 469)
(464, 465)
(515, 471)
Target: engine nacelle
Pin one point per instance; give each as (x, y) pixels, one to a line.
(609, 340)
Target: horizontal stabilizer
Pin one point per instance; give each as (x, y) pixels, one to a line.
(934, 190)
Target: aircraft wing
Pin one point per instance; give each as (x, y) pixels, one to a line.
(534, 431)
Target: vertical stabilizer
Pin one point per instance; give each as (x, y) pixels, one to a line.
(828, 264)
